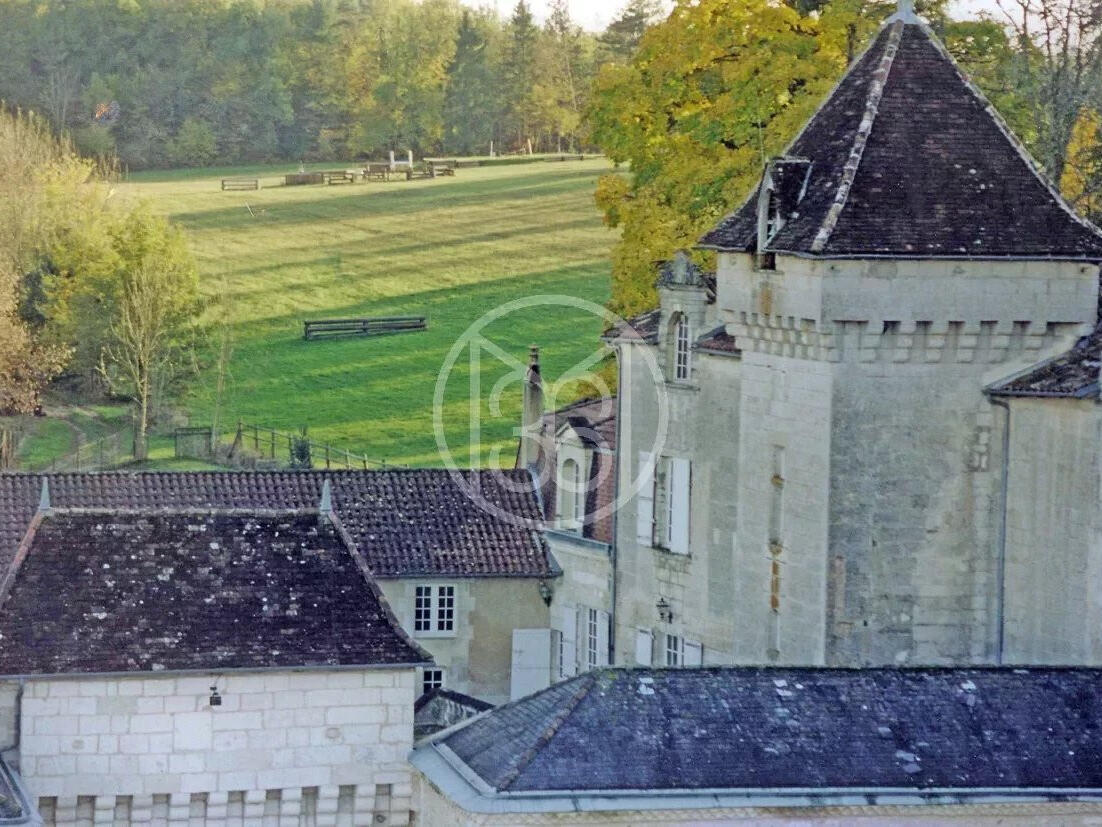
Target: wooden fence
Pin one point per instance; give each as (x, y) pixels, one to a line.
(240, 184)
(370, 326)
(274, 445)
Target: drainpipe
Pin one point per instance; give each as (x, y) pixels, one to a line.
(615, 511)
(1000, 550)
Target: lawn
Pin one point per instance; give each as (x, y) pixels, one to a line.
(451, 248)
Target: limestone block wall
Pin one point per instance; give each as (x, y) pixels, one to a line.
(477, 658)
(900, 352)
(1054, 533)
(286, 748)
(703, 426)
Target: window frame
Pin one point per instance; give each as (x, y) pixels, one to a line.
(682, 349)
(675, 654)
(434, 610)
(437, 679)
(592, 638)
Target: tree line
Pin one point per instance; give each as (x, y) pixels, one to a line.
(160, 83)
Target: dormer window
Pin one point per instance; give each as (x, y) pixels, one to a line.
(571, 495)
(783, 186)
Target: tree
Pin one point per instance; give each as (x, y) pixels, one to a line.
(712, 91)
(472, 103)
(519, 74)
(1059, 68)
(1081, 181)
(148, 340)
(623, 34)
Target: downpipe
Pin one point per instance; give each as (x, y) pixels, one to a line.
(1000, 549)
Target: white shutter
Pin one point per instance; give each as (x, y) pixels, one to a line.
(679, 511)
(694, 653)
(581, 629)
(644, 641)
(568, 668)
(531, 663)
(602, 638)
(644, 527)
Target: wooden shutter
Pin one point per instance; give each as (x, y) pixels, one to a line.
(694, 653)
(644, 642)
(581, 638)
(568, 667)
(603, 632)
(680, 478)
(644, 529)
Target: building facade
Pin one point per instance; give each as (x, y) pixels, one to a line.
(840, 481)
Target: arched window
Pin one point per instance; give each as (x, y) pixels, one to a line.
(681, 349)
(571, 505)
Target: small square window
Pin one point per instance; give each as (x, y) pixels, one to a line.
(431, 679)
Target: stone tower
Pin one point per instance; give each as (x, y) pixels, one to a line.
(902, 255)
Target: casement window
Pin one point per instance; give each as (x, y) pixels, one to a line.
(583, 643)
(431, 679)
(675, 652)
(682, 350)
(662, 519)
(434, 609)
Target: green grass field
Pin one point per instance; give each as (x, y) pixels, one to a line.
(450, 248)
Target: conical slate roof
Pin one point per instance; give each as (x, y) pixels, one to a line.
(909, 160)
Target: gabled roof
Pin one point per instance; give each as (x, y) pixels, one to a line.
(909, 160)
(109, 592)
(718, 341)
(405, 522)
(817, 731)
(1071, 375)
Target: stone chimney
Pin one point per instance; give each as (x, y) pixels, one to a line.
(531, 421)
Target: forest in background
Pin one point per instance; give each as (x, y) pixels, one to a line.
(169, 83)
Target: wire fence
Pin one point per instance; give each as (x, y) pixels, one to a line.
(103, 454)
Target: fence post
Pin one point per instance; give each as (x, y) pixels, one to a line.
(384, 464)
(327, 456)
(365, 462)
(273, 443)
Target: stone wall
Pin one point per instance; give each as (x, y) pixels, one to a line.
(477, 658)
(1054, 533)
(286, 748)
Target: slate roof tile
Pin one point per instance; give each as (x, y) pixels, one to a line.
(1073, 375)
(746, 727)
(643, 327)
(104, 592)
(404, 522)
(908, 159)
(718, 341)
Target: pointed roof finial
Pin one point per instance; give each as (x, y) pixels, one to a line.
(326, 506)
(905, 13)
(44, 497)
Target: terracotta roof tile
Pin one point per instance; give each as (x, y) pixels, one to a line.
(404, 522)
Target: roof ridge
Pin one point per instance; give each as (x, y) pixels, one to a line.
(1007, 132)
(861, 137)
(753, 194)
(529, 755)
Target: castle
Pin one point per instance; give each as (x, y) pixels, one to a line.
(883, 441)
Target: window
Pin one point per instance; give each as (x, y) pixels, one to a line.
(681, 368)
(663, 503)
(592, 646)
(434, 609)
(431, 679)
(674, 650)
(571, 495)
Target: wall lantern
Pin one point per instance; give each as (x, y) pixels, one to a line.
(665, 612)
(545, 592)
(215, 698)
